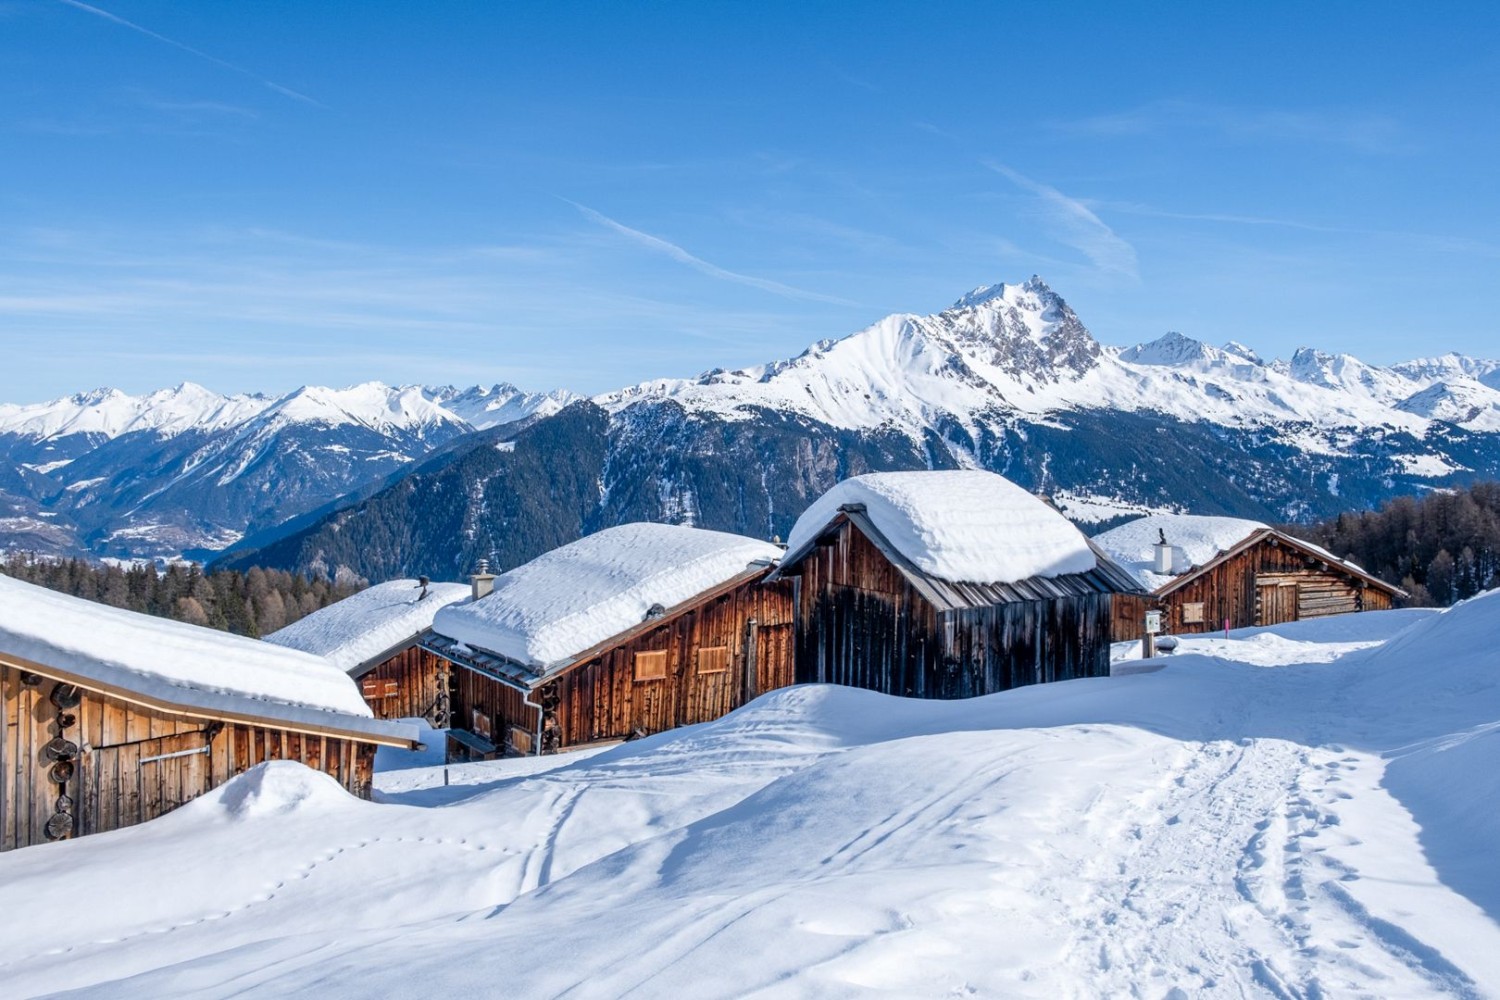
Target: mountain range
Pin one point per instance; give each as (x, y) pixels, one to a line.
(384, 481)
(187, 471)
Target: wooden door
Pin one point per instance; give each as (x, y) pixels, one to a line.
(1275, 603)
(130, 783)
(774, 648)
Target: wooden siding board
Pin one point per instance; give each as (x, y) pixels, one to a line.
(863, 624)
(600, 699)
(1229, 590)
(124, 774)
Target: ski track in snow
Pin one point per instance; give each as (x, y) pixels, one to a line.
(821, 843)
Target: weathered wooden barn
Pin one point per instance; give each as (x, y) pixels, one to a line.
(631, 631)
(1205, 574)
(373, 637)
(946, 584)
(112, 718)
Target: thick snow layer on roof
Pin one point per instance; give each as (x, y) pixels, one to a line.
(575, 597)
(1195, 539)
(965, 526)
(370, 622)
(165, 658)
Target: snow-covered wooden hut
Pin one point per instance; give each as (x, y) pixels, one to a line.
(372, 636)
(946, 584)
(112, 718)
(630, 631)
(1208, 573)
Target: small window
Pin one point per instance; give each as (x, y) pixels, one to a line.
(481, 725)
(713, 660)
(1192, 614)
(651, 666)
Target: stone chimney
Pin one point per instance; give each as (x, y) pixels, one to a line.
(1163, 562)
(483, 581)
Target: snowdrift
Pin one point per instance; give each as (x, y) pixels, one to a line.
(1289, 812)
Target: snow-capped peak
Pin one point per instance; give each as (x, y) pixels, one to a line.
(1240, 350)
(108, 413)
(501, 403)
(1033, 287)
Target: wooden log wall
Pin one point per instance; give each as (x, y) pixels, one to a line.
(1232, 590)
(129, 764)
(714, 661)
(417, 681)
(862, 624)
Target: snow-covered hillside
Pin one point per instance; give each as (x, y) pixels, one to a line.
(1302, 811)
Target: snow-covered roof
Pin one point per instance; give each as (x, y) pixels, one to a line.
(1195, 539)
(573, 598)
(180, 664)
(962, 525)
(353, 631)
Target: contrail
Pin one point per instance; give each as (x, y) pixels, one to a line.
(680, 255)
(1077, 225)
(285, 91)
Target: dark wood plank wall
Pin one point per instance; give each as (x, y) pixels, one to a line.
(863, 625)
(1128, 616)
(124, 773)
(419, 678)
(860, 623)
(1011, 645)
(1231, 590)
(502, 704)
(602, 700)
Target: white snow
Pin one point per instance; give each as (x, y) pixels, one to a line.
(1011, 353)
(959, 525)
(500, 404)
(1195, 539)
(167, 659)
(364, 625)
(108, 413)
(572, 598)
(1313, 819)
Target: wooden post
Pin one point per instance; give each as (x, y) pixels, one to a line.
(1151, 626)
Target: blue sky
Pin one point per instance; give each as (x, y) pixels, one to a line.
(260, 195)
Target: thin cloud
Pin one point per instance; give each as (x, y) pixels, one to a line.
(1434, 242)
(1371, 133)
(1076, 225)
(677, 253)
(116, 19)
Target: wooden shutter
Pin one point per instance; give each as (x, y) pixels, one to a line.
(713, 660)
(481, 725)
(651, 666)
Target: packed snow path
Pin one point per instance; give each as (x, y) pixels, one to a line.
(1309, 813)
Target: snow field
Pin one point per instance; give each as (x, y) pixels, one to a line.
(1231, 825)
